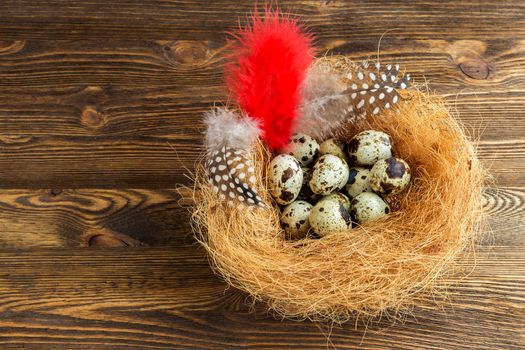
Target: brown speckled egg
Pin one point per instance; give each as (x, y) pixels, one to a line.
(358, 181)
(390, 176)
(369, 146)
(368, 206)
(306, 193)
(303, 147)
(329, 174)
(295, 219)
(285, 178)
(329, 216)
(333, 147)
(307, 174)
(338, 196)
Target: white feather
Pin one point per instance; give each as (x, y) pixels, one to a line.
(227, 128)
(321, 80)
(324, 104)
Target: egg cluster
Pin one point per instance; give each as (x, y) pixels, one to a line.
(319, 192)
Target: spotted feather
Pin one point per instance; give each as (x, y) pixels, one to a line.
(232, 175)
(339, 91)
(372, 88)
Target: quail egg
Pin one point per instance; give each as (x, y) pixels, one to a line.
(368, 206)
(333, 147)
(389, 176)
(358, 181)
(303, 147)
(285, 178)
(295, 219)
(306, 193)
(369, 146)
(329, 216)
(329, 173)
(337, 196)
(306, 175)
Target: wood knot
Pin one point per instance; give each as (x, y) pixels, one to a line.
(93, 90)
(92, 118)
(14, 139)
(106, 238)
(186, 52)
(55, 191)
(475, 69)
(106, 241)
(468, 56)
(10, 47)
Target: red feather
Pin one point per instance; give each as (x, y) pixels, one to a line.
(268, 65)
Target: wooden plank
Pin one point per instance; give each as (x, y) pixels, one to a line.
(157, 88)
(158, 111)
(146, 298)
(153, 19)
(66, 219)
(159, 162)
(70, 218)
(130, 111)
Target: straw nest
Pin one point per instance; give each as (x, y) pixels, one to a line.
(385, 266)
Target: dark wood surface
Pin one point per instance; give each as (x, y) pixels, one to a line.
(100, 109)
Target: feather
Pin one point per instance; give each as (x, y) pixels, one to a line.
(322, 80)
(348, 95)
(267, 67)
(230, 171)
(376, 88)
(325, 105)
(226, 128)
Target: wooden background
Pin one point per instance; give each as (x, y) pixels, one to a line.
(100, 109)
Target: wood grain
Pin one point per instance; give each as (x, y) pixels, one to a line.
(100, 115)
(69, 218)
(191, 19)
(160, 162)
(135, 119)
(146, 298)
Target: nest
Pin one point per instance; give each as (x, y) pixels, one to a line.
(384, 266)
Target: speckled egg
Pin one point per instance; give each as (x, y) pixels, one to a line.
(369, 146)
(358, 181)
(307, 174)
(390, 176)
(285, 178)
(329, 173)
(295, 219)
(368, 206)
(303, 147)
(333, 147)
(306, 193)
(329, 216)
(337, 196)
